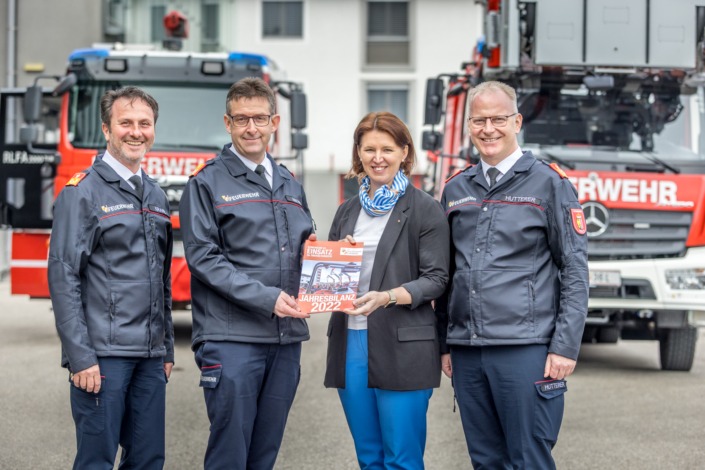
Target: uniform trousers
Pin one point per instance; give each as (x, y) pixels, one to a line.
(511, 415)
(248, 389)
(388, 427)
(128, 411)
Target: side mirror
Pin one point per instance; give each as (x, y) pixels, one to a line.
(434, 101)
(298, 110)
(431, 140)
(299, 141)
(32, 105)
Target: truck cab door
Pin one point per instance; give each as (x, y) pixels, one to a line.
(27, 171)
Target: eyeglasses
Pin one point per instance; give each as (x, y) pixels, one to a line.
(240, 120)
(497, 121)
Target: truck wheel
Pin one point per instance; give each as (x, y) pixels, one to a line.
(589, 334)
(677, 347)
(608, 334)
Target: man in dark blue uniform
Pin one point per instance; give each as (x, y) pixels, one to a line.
(244, 220)
(518, 298)
(110, 285)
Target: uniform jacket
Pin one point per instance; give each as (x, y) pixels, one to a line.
(243, 246)
(413, 252)
(109, 269)
(520, 271)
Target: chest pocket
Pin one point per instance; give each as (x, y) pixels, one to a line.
(122, 238)
(517, 225)
(158, 228)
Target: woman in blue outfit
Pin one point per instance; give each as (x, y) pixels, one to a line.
(383, 355)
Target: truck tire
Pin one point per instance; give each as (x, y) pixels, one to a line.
(608, 334)
(589, 334)
(677, 348)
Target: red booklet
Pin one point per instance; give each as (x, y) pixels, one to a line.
(330, 274)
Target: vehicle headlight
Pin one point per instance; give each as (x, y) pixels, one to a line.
(686, 279)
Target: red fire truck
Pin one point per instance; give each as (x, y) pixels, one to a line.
(612, 91)
(49, 135)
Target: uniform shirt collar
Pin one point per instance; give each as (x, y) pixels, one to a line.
(266, 163)
(505, 165)
(122, 171)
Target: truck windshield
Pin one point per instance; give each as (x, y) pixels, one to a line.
(190, 115)
(576, 120)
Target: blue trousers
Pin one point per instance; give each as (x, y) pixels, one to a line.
(128, 411)
(511, 415)
(388, 427)
(249, 389)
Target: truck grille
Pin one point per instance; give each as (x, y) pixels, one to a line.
(630, 289)
(633, 234)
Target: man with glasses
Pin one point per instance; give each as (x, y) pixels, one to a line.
(244, 220)
(517, 305)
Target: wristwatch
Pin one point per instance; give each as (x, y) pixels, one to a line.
(392, 298)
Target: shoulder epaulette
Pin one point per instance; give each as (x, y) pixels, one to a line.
(554, 166)
(457, 173)
(290, 172)
(200, 166)
(75, 179)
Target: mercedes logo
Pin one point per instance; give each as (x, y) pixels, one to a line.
(597, 218)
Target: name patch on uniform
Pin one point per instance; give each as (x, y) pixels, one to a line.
(460, 201)
(552, 386)
(237, 197)
(528, 199)
(205, 378)
(116, 207)
(578, 219)
(158, 209)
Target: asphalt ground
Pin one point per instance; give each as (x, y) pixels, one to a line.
(622, 412)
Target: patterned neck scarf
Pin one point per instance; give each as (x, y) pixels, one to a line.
(385, 197)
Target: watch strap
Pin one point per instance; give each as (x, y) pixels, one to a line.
(392, 298)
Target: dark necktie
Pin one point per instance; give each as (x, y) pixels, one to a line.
(260, 171)
(492, 173)
(137, 182)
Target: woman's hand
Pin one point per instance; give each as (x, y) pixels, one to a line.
(368, 303)
(349, 239)
(446, 365)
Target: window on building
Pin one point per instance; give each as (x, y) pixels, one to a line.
(158, 12)
(114, 20)
(210, 30)
(389, 97)
(388, 33)
(283, 19)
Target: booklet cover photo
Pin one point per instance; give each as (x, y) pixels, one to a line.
(330, 274)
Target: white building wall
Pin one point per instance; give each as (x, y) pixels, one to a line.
(329, 59)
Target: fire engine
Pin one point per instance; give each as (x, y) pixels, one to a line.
(612, 91)
(61, 135)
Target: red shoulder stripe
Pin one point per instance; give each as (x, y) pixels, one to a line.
(457, 173)
(75, 179)
(200, 166)
(554, 166)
